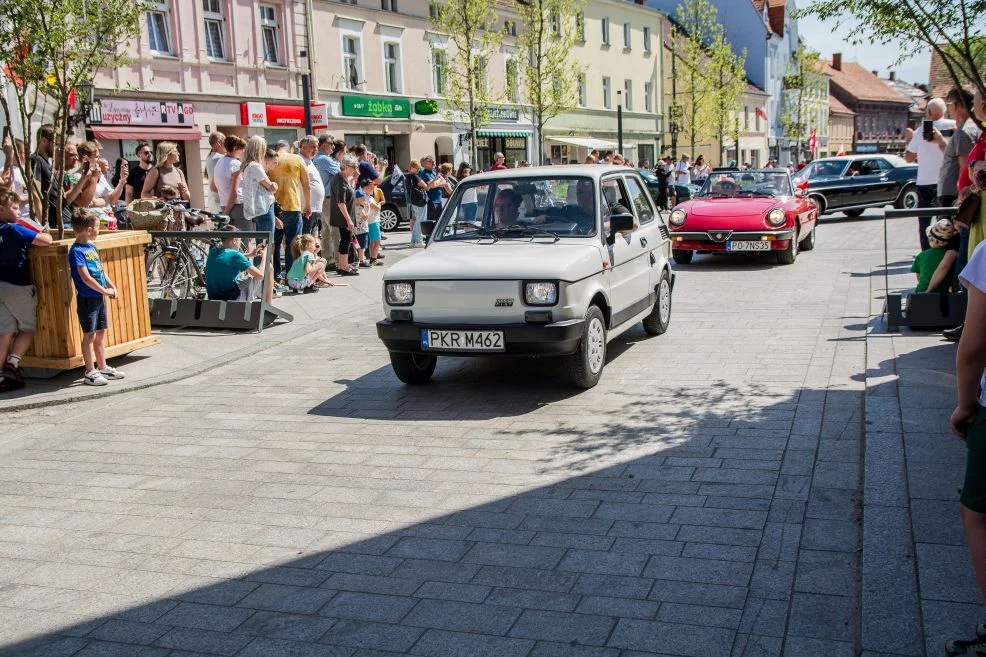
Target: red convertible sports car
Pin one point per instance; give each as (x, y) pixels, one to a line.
(745, 212)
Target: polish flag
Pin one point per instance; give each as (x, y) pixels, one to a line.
(812, 143)
(761, 113)
(841, 153)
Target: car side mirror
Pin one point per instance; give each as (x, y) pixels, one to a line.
(427, 228)
(621, 223)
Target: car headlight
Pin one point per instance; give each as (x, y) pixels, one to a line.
(541, 293)
(399, 293)
(677, 217)
(776, 217)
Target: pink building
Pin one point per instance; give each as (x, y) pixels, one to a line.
(204, 65)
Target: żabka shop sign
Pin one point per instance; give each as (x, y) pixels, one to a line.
(282, 116)
(378, 108)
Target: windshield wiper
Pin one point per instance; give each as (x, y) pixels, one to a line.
(766, 194)
(714, 195)
(530, 230)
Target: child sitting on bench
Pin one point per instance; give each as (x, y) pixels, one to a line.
(934, 266)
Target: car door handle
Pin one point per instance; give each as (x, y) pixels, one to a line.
(643, 241)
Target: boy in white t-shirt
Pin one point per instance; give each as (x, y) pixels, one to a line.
(968, 421)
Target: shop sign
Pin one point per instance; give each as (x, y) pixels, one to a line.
(379, 108)
(282, 116)
(867, 148)
(426, 107)
(111, 111)
(498, 114)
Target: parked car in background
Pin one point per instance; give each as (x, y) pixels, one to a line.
(396, 209)
(853, 183)
(753, 211)
(682, 191)
(540, 261)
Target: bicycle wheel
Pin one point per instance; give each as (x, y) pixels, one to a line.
(168, 276)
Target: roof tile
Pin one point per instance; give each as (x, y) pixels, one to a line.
(861, 84)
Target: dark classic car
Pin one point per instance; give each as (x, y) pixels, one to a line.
(683, 192)
(852, 183)
(396, 208)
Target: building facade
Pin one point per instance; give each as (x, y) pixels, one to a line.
(195, 68)
(842, 128)
(881, 114)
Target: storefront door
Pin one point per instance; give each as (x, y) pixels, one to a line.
(514, 149)
(380, 145)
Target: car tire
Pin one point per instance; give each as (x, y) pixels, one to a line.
(820, 202)
(390, 218)
(808, 243)
(854, 213)
(790, 254)
(908, 199)
(413, 369)
(585, 366)
(681, 256)
(660, 316)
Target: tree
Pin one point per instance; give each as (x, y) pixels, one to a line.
(727, 75)
(804, 93)
(955, 29)
(51, 48)
(471, 26)
(696, 27)
(551, 77)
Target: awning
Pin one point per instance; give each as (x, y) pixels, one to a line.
(502, 133)
(136, 132)
(585, 142)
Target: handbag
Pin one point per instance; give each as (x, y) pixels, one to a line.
(968, 211)
(149, 214)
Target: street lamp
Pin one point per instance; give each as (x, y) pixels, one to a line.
(85, 95)
(619, 121)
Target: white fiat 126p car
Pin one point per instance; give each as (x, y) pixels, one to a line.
(542, 261)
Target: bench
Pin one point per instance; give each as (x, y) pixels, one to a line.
(928, 310)
(207, 313)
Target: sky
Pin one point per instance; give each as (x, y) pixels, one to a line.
(826, 39)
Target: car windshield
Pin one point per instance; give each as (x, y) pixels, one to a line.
(529, 207)
(826, 168)
(747, 183)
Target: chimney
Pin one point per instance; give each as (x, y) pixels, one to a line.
(893, 76)
(837, 61)
(875, 73)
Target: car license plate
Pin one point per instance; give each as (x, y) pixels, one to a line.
(434, 340)
(748, 245)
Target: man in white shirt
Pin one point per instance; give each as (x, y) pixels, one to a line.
(307, 148)
(216, 140)
(684, 170)
(929, 156)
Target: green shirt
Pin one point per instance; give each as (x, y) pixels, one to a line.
(222, 268)
(297, 272)
(924, 265)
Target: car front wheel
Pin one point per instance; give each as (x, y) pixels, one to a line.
(585, 366)
(413, 369)
(909, 199)
(390, 218)
(681, 256)
(808, 243)
(788, 255)
(660, 317)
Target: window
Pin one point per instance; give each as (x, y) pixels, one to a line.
(555, 20)
(746, 117)
(606, 100)
(510, 28)
(580, 26)
(212, 11)
(433, 10)
(392, 66)
(438, 71)
(513, 81)
(605, 25)
(388, 5)
(157, 28)
(479, 65)
(648, 101)
(350, 62)
(268, 24)
(646, 39)
(628, 94)
(626, 35)
(580, 82)
(641, 203)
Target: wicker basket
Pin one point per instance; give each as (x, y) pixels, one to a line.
(148, 214)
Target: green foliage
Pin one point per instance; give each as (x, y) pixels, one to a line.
(551, 29)
(955, 29)
(468, 91)
(804, 96)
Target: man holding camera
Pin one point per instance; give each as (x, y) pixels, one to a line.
(926, 151)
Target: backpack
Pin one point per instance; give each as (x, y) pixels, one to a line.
(419, 197)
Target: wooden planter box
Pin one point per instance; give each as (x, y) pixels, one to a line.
(58, 339)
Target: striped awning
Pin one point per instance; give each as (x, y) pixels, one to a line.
(502, 133)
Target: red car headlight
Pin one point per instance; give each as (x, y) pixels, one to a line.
(776, 217)
(677, 217)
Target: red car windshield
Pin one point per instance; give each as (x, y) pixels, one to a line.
(727, 184)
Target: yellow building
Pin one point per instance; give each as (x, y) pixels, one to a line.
(842, 127)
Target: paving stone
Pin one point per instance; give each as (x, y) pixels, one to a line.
(613, 586)
(579, 629)
(832, 573)
(439, 571)
(462, 617)
(525, 578)
(672, 612)
(451, 591)
(278, 625)
(719, 518)
(504, 554)
(263, 647)
(291, 599)
(673, 639)
(122, 631)
(366, 634)
(429, 548)
(219, 643)
(438, 643)
(372, 584)
(821, 616)
(368, 606)
(550, 649)
(604, 563)
(796, 646)
(205, 617)
(528, 599)
(705, 571)
(617, 607)
(103, 649)
(713, 595)
(837, 535)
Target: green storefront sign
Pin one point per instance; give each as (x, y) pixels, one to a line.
(379, 108)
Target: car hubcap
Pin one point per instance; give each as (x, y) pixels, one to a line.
(911, 200)
(664, 301)
(388, 219)
(596, 345)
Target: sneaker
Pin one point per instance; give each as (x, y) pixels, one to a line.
(280, 288)
(348, 272)
(417, 245)
(95, 378)
(310, 290)
(11, 379)
(953, 334)
(365, 264)
(112, 373)
(380, 256)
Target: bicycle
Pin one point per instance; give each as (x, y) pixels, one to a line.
(176, 268)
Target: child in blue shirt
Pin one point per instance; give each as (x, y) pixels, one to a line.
(91, 285)
(18, 298)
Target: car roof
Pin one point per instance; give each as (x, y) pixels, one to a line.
(595, 171)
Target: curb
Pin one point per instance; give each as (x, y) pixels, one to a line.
(891, 619)
(162, 379)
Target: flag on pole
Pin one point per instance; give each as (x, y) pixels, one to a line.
(761, 113)
(812, 143)
(842, 152)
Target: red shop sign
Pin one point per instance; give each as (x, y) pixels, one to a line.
(281, 116)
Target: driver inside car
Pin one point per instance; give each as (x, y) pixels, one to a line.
(726, 187)
(506, 208)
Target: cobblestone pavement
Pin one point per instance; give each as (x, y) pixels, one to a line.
(704, 499)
